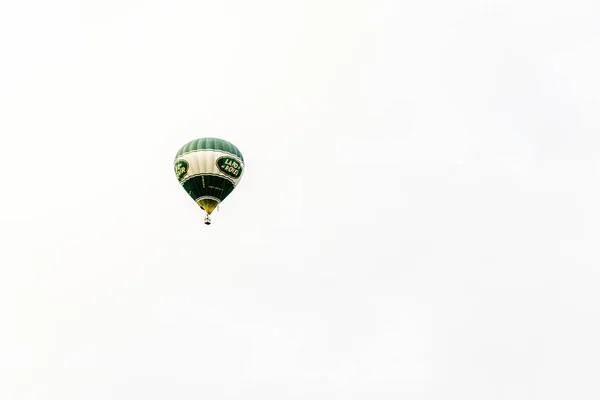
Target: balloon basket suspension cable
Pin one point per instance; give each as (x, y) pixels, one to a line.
(207, 219)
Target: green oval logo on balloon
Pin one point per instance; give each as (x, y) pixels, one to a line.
(229, 166)
(181, 169)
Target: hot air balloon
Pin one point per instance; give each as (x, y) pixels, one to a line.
(209, 169)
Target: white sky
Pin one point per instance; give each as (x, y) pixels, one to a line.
(418, 219)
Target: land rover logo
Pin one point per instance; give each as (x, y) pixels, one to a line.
(181, 169)
(229, 166)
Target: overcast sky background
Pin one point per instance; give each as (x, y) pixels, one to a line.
(418, 219)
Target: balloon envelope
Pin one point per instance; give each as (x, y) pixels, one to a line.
(209, 169)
